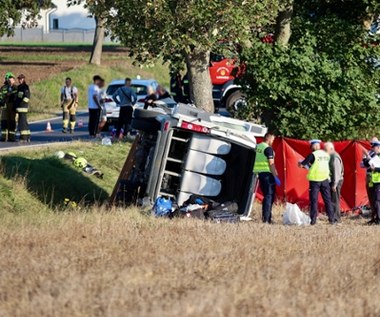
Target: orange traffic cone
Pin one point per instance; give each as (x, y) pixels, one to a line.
(48, 127)
(80, 123)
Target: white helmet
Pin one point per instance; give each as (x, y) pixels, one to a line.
(59, 154)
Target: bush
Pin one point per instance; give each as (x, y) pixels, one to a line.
(310, 89)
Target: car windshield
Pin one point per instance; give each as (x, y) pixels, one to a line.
(140, 90)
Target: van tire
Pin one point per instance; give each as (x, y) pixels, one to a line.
(146, 125)
(145, 114)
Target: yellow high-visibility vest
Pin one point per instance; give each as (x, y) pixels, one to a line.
(320, 170)
(375, 177)
(261, 162)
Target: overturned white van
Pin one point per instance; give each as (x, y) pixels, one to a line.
(182, 151)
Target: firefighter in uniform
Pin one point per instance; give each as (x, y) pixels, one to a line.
(268, 177)
(8, 116)
(317, 163)
(69, 103)
(176, 89)
(375, 177)
(186, 89)
(21, 106)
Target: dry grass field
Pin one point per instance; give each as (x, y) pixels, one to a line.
(124, 263)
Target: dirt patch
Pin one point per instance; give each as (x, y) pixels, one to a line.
(39, 63)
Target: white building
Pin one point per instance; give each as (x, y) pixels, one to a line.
(63, 17)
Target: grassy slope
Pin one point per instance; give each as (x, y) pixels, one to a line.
(45, 93)
(37, 177)
(45, 97)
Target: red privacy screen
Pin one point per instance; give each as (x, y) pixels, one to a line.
(295, 186)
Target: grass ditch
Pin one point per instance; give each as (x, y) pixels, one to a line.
(38, 177)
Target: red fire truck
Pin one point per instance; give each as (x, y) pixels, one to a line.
(226, 92)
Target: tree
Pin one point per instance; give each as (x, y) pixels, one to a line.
(324, 84)
(12, 11)
(100, 10)
(188, 30)
(283, 28)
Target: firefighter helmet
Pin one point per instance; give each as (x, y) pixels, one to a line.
(9, 75)
(80, 162)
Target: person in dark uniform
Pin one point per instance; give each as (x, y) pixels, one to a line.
(21, 107)
(8, 115)
(268, 176)
(176, 88)
(369, 184)
(317, 163)
(375, 179)
(186, 89)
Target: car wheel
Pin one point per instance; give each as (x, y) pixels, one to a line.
(236, 101)
(146, 125)
(145, 114)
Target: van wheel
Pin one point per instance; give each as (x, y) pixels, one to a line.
(236, 101)
(145, 125)
(145, 114)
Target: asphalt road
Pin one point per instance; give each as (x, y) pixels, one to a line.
(41, 136)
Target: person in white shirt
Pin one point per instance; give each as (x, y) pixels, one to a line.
(94, 106)
(69, 104)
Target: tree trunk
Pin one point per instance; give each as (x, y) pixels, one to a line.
(199, 79)
(367, 21)
(97, 46)
(283, 30)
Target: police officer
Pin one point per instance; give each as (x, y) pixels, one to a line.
(69, 103)
(317, 163)
(369, 184)
(268, 176)
(8, 116)
(375, 178)
(21, 106)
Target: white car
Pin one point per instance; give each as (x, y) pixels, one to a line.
(140, 86)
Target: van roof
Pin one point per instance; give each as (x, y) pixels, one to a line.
(228, 128)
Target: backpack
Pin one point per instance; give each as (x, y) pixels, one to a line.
(162, 207)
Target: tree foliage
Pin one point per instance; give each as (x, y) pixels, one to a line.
(161, 28)
(11, 14)
(323, 84)
(187, 30)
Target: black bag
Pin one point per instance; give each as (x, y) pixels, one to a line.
(229, 206)
(224, 216)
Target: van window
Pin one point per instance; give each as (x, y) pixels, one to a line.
(236, 127)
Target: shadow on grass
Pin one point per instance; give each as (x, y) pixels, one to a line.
(52, 180)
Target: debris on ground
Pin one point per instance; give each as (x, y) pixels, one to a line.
(80, 163)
